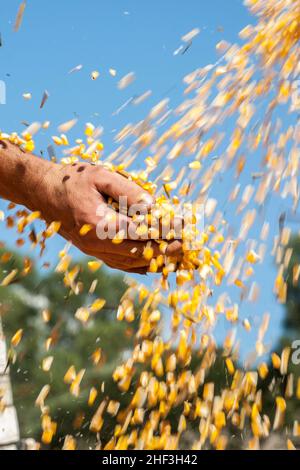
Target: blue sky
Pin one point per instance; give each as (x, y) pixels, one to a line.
(132, 35)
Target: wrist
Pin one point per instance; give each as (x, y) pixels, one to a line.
(22, 175)
(37, 189)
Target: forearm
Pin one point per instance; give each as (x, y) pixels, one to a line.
(20, 174)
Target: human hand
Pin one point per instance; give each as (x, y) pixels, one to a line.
(75, 194)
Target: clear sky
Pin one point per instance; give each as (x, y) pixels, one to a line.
(132, 35)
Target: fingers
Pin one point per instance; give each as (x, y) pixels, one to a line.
(112, 224)
(142, 271)
(115, 234)
(99, 231)
(126, 264)
(132, 261)
(114, 185)
(130, 256)
(136, 248)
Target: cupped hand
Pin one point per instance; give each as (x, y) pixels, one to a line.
(77, 196)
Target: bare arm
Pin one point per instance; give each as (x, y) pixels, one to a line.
(20, 174)
(76, 195)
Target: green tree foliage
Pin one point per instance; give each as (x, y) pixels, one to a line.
(277, 384)
(291, 323)
(292, 317)
(21, 306)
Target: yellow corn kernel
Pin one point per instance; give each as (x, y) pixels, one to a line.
(92, 396)
(16, 339)
(85, 229)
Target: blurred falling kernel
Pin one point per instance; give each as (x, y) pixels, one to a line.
(5, 257)
(97, 305)
(75, 384)
(82, 314)
(284, 361)
(280, 412)
(230, 366)
(46, 315)
(290, 445)
(263, 370)
(9, 278)
(276, 361)
(67, 126)
(69, 443)
(190, 35)
(92, 396)
(40, 400)
(126, 80)
(52, 229)
(97, 420)
(49, 428)
(47, 363)
(94, 265)
(16, 339)
(96, 356)
(95, 74)
(70, 375)
(298, 389)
